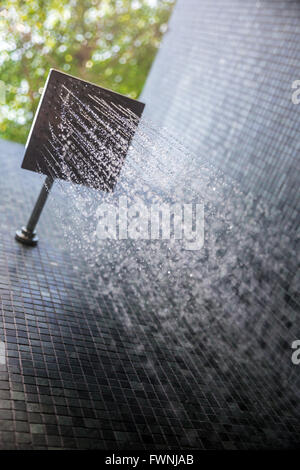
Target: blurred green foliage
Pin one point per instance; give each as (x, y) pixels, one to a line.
(108, 42)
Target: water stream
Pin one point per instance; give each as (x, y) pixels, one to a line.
(223, 293)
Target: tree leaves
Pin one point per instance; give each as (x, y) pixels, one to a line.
(108, 42)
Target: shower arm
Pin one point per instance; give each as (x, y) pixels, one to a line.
(27, 235)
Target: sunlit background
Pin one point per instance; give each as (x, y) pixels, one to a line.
(108, 42)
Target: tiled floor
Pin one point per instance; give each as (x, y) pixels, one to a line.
(76, 376)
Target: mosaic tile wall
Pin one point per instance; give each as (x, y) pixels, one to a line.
(78, 376)
(109, 374)
(222, 83)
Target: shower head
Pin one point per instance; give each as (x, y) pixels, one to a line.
(81, 132)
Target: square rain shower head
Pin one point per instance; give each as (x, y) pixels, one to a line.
(81, 132)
